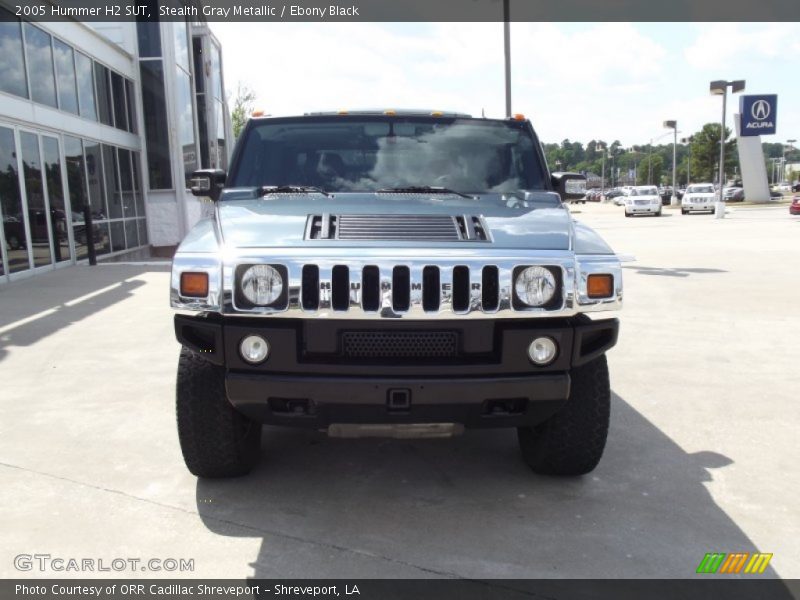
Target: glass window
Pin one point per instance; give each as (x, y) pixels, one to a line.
(130, 97)
(137, 183)
(216, 72)
(142, 227)
(12, 65)
(94, 172)
(181, 44)
(85, 77)
(186, 137)
(112, 185)
(37, 205)
(76, 186)
(11, 204)
(65, 71)
(159, 167)
(118, 89)
(126, 183)
(55, 195)
(40, 65)
(220, 151)
(103, 87)
(102, 239)
(149, 35)
(117, 236)
(366, 154)
(131, 235)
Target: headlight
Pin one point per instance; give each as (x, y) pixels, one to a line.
(262, 285)
(535, 286)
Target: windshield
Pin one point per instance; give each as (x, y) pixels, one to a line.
(646, 191)
(349, 154)
(700, 189)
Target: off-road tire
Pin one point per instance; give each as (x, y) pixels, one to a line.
(572, 441)
(216, 440)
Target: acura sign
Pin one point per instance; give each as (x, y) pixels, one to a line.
(758, 114)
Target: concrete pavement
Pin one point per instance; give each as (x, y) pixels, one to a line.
(702, 454)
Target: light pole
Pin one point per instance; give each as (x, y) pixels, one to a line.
(674, 126)
(603, 171)
(720, 88)
(787, 146)
(688, 140)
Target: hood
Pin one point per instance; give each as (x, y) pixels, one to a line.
(539, 221)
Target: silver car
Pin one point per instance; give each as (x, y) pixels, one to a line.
(392, 274)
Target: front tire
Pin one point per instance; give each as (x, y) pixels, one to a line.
(572, 441)
(216, 440)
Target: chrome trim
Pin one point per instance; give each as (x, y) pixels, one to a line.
(575, 270)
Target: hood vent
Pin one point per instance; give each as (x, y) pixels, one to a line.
(411, 228)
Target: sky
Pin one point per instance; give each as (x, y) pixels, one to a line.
(581, 81)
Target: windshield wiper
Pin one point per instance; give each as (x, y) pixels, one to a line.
(291, 189)
(423, 189)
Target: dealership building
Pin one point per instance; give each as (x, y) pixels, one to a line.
(104, 122)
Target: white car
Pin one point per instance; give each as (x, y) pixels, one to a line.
(699, 196)
(643, 200)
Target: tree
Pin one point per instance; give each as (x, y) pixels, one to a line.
(243, 104)
(656, 161)
(705, 152)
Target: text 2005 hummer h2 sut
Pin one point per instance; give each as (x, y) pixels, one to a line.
(392, 273)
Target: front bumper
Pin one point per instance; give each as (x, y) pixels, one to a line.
(308, 381)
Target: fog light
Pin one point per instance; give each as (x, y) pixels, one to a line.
(542, 351)
(254, 349)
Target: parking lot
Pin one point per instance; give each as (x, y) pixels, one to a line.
(702, 454)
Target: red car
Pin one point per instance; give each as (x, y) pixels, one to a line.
(794, 207)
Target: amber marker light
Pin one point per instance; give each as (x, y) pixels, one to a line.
(194, 285)
(600, 286)
(519, 117)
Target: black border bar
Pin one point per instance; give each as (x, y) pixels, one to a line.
(340, 11)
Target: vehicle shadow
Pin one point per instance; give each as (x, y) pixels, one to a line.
(675, 272)
(32, 309)
(469, 507)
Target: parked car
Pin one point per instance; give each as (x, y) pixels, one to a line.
(666, 195)
(796, 187)
(782, 187)
(794, 207)
(733, 194)
(614, 193)
(619, 200)
(643, 200)
(369, 301)
(698, 197)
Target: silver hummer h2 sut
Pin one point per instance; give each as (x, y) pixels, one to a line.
(392, 273)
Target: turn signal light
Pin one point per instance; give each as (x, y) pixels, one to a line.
(194, 285)
(600, 286)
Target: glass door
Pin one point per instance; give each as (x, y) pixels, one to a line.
(38, 213)
(15, 237)
(59, 223)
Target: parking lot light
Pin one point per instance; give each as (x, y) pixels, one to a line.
(674, 126)
(720, 88)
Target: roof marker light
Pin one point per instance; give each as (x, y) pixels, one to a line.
(437, 113)
(390, 112)
(519, 117)
(258, 113)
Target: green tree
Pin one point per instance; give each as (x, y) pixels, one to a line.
(705, 153)
(643, 176)
(243, 104)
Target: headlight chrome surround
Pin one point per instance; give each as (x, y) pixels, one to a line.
(262, 285)
(536, 286)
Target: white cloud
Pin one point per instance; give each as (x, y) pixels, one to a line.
(579, 81)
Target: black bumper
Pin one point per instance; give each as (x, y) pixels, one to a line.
(309, 382)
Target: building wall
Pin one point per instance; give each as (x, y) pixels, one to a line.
(84, 93)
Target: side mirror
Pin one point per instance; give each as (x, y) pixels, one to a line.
(570, 186)
(208, 183)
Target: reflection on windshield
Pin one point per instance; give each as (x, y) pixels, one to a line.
(347, 154)
(701, 189)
